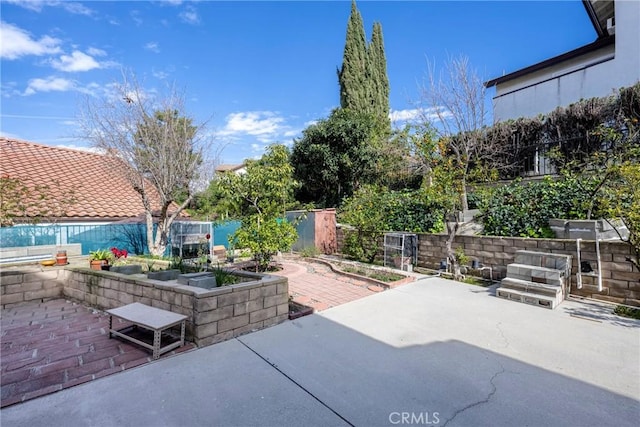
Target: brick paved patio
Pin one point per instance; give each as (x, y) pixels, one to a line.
(52, 345)
(58, 344)
(316, 285)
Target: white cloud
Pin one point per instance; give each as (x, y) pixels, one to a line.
(190, 16)
(135, 15)
(37, 117)
(8, 89)
(161, 75)
(255, 123)
(404, 115)
(73, 7)
(16, 42)
(39, 5)
(291, 133)
(79, 148)
(418, 113)
(310, 123)
(152, 46)
(77, 61)
(96, 52)
(172, 2)
(9, 135)
(49, 84)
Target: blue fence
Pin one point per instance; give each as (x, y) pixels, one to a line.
(132, 237)
(222, 231)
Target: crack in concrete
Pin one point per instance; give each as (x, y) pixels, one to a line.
(504, 338)
(480, 402)
(299, 385)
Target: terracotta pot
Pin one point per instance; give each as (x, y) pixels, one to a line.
(61, 257)
(96, 264)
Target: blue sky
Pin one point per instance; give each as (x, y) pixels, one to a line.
(258, 72)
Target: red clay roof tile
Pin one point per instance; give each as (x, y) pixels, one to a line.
(99, 192)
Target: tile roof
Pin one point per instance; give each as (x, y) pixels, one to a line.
(99, 192)
(229, 167)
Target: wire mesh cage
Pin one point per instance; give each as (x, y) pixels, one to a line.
(191, 239)
(400, 250)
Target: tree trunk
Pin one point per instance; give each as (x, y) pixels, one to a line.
(452, 229)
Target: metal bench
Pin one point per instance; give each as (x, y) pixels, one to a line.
(151, 318)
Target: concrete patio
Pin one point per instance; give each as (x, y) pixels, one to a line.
(434, 352)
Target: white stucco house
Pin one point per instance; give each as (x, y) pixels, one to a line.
(598, 69)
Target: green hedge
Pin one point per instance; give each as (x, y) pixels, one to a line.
(372, 211)
(523, 209)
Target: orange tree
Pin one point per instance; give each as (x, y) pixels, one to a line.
(259, 199)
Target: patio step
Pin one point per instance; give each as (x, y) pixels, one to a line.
(536, 278)
(529, 298)
(531, 287)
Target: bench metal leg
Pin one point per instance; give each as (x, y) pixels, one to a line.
(157, 337)
(182, 334)
(110, 326)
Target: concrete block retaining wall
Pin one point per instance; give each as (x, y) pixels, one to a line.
(20, 286)
(213, 315)
(621, 281)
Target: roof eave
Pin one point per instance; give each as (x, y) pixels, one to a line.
(598, 44)
(593, 16)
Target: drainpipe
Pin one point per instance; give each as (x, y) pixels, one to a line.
(579, 275)
(599, 262)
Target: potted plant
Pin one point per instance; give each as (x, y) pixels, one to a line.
(120, 264)
(99, 258)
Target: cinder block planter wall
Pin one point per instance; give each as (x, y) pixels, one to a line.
(621, 282)
(213, 315)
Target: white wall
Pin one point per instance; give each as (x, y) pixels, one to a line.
(596, 74)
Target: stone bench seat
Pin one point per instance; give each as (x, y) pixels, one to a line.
(543, 259)
(536, 274)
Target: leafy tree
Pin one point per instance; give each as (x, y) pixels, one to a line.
(155, 145)
(623, 202)
(457, 100)
(259, 198)
(335, 157)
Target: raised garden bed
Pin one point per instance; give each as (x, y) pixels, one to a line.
(381, 275)
(214, 315)
(297, 310)
(378, 276)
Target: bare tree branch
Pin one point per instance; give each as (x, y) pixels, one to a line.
(149, 138)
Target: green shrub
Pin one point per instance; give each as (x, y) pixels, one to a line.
(624, 311)
(373, 210)
(524, 209)
(310, 252)
(223, 277)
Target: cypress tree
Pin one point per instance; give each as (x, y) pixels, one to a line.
(364, 85)
(352, 75)
(379, 81)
